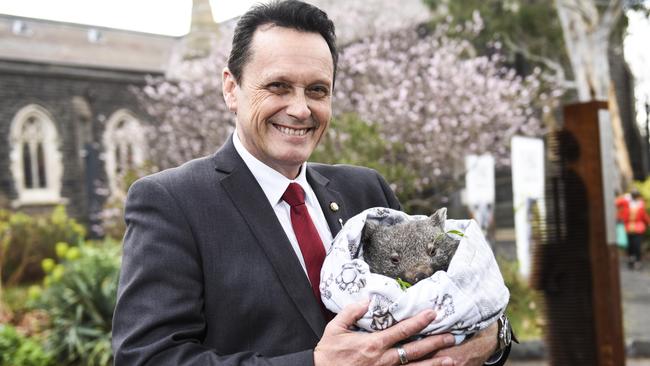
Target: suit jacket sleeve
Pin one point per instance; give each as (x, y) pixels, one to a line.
(158, 318)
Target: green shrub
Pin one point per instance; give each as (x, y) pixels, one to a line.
(16, 350)
(25, 240)
(525, 310)
(79, 294)
(15, 297)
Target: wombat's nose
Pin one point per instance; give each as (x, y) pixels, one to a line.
(420, 276)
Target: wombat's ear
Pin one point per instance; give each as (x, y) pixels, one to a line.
(439, 217)
(368, 231)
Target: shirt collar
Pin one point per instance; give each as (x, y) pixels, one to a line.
(272, 182)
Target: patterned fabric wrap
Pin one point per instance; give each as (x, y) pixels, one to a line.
(468, 297)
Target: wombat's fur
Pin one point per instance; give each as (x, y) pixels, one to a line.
(410, 250)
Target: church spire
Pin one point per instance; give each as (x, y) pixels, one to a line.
(203, 31)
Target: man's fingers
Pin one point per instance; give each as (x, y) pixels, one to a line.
(439, 361)
(407, 328)
(350, 314)
(475, 350)
(426, 346)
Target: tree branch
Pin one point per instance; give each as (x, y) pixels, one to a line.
(611, 15)
(589, 14)
(560, 74)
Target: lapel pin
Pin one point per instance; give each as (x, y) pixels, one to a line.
(334, 206)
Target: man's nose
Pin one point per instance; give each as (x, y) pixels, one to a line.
(298, 107)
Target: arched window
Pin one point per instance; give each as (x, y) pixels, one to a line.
(36, 163)
(124, 149)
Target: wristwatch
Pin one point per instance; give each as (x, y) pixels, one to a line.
(505, 336)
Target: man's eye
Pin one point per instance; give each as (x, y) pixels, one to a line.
(318, 92)
(277, 87)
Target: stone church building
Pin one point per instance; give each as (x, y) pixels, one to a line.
(69, 124)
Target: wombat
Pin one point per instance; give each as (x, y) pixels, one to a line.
(409, 250)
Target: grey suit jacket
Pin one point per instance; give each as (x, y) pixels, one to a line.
(208, 275)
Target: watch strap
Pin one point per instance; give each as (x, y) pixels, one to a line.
(505, 337)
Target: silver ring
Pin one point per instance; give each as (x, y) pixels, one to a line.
(402, 356)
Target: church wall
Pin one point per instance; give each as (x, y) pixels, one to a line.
(80, 101)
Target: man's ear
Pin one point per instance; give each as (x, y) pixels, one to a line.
(229, 89)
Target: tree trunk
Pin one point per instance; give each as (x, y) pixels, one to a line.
(586, 36)
(621, 154)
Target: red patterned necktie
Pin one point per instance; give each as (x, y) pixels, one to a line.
(311, 245)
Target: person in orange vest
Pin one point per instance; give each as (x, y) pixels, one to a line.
(631, 211)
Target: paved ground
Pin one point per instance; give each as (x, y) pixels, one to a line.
(635, 290)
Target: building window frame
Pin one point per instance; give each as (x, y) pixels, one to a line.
(35, 159)
(123, 149)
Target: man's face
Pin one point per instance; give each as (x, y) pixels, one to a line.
(283, 103)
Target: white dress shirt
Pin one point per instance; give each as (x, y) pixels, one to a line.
(274, 185)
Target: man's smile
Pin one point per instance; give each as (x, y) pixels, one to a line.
(292, 131)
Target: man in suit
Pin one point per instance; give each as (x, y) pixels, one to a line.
(214, 271)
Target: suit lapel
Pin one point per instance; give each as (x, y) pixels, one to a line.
(252, 204)
(331, 201)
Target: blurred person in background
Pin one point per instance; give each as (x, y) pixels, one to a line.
(631, 211)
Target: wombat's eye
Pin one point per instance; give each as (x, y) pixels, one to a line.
(431, 249)
(394, 258)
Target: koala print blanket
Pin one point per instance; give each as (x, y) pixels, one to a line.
(468, 297)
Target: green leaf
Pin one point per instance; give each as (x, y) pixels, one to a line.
(455, 232)
(403, 284)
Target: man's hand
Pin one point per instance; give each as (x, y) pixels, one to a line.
(475, 351)
(341, 346)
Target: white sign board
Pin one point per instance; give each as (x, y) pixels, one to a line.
(527, 156)
(479, 179)
(609, 173)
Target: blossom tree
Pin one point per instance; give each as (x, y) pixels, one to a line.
(429, 93)
(572, 39)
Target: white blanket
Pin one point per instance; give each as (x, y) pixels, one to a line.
(467, 297)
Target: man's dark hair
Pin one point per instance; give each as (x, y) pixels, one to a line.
(289, 14)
